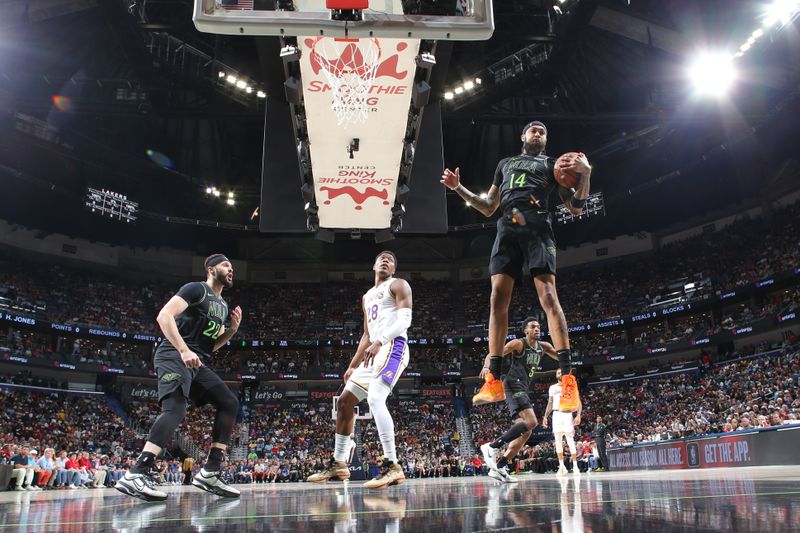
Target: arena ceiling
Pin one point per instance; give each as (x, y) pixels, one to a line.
(99, 83)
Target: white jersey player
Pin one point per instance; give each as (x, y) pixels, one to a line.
(380, 359)
(563, 426)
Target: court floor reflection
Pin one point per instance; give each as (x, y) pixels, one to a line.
(744, 499)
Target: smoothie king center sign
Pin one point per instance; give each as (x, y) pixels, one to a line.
(356, 189)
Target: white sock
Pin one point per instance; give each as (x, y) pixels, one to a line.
(561, 463)
(341, 449)
(378, 392)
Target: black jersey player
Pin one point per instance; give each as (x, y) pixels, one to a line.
(525, 356)
(521, 189)
(193, 323)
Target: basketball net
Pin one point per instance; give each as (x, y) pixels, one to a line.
(349, 66)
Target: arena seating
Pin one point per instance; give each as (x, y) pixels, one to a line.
(293, 310)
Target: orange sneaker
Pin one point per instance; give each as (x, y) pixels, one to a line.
(492, 391)
(569, 394)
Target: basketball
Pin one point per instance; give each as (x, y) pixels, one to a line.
(568, 179)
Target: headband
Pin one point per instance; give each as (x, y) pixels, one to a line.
(534, 123)
(215, 259)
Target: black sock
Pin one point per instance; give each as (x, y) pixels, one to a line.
(564, 362)
(215, 458)
(502, 462)
(143, 463)
(516, 430)
(495, 365)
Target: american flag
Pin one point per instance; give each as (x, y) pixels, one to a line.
(237, 5)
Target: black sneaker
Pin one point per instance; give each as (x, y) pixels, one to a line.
(140, 486)
(212, 482)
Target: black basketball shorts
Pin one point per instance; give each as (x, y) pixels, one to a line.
(517, 245)
(517, 398)
(173, 375)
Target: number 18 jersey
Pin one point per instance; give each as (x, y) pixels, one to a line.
(381, 310)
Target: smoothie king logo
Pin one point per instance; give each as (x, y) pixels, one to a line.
(352, 59)
(347, 177)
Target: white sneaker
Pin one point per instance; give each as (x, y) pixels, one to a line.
(562, 470)
(489, 456)
(140, 486)
(501, 475)
(212, 482)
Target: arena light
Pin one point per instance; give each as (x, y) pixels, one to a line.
(712, 74)
(459, 90)
(248, 89)
(215, 192)
(261, 94)
(449, 95)
(231, 79)
(231, 201)
(484, 196)
(221, 74)
(782, 11)
(241, 84)
(478, 81)
(469, 85)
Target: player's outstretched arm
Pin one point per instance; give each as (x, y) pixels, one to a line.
(514, 346)
(486, 206)
(549, 350)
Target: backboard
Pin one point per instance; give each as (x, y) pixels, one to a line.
(409, 19)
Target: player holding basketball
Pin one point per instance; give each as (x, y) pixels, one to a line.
(193, 325)
(521, 188)
(563, 426)
(525, 354)
(380, 359)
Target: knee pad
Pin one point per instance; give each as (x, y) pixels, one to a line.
(223, 399)
(174, 405)
(173, 411)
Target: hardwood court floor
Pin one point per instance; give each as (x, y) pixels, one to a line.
(739, 499)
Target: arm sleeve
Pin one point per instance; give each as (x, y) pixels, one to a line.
(401, 324)
(193, 293)
(498, 174)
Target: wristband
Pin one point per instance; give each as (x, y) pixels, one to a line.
(577, 203)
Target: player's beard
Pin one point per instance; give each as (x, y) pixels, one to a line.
(222, 278)
(534, 148)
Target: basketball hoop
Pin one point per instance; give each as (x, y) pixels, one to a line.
(349, 66)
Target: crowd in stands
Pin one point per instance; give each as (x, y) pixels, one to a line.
(713, 262)
(749, 393)
(60, 439)
(633, 284)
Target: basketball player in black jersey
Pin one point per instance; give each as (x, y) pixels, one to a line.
(526, 355)
(521, 188)
(193, 326)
